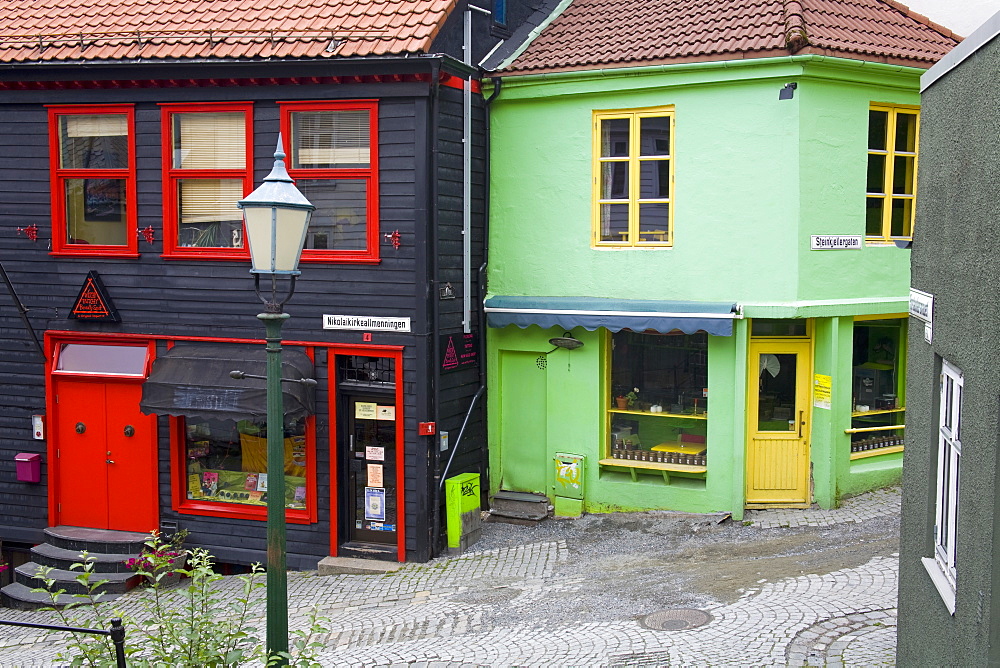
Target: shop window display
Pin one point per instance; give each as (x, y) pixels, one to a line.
(877, 388)
(658, 409)
(226, 461)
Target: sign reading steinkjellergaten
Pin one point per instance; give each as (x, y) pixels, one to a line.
(94, 303)
(836, 242)
(459, 351)
(367, 323)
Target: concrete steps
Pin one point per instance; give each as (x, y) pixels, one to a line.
(518, 507)
(64, 546)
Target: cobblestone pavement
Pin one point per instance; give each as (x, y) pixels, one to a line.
(443, 614)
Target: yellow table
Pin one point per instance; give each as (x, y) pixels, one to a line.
(682, 448)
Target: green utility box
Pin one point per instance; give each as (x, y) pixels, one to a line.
(464, 516)
(569, 487)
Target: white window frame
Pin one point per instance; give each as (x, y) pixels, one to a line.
(943, 566)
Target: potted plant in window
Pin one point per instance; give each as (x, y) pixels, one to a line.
(626, 401)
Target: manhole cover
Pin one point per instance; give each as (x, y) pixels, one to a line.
(681, 619)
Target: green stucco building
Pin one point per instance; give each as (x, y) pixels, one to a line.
(718, 207)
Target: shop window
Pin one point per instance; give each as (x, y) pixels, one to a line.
(226, 466)
(207, 153)
(658, 408)
(103, 359)
(892, 173)
(633, 177)
(943, 566)
(93, 180)
(333, 157)
(878, 387)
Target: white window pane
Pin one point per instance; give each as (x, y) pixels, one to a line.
(208, 212)
(117, 360)
(331, 139)
(209, 141)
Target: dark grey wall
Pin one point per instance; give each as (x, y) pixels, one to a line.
(215, 298)
(955, 258)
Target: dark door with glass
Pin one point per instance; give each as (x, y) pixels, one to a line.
(368, 447)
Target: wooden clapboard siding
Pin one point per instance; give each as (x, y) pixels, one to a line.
(189, 297)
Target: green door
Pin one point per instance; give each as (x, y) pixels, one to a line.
(523, 461)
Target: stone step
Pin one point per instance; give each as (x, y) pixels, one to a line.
(117, 583)
(96, 540)
(62, 558)
(519, 505)
(19, 597)
(349, 565)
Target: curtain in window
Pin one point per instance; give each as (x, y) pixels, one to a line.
(210, 141)
(330, 139)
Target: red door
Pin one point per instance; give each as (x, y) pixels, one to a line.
(106, 474)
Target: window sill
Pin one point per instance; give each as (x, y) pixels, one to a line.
(237, 511)
(660, 466)
(941, 583)
(97, 252)
(876, 452)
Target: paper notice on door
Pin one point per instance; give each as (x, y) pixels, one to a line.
(375, 453)
(822, 385)
(386, 412)
(374, 475)
(374, 504)
(365, 411)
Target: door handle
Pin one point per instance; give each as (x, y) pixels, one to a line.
(80, 427)
(801, 422)
(110, 461)
(129, 430)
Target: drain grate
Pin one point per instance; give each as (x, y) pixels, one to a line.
(680, 619)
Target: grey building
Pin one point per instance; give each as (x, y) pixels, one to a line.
(949, 604)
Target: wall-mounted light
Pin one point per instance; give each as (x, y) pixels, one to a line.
(787, 92)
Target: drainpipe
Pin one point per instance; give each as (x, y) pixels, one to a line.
(435, 375)
(23, 312)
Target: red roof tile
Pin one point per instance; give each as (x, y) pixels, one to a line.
(593, 34)
(103, 30)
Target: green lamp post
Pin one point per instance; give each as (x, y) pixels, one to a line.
(276, 216)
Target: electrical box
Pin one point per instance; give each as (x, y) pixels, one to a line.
(464, 514)
(569, 487)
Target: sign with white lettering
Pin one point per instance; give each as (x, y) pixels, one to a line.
(836, 242)
(367, 323)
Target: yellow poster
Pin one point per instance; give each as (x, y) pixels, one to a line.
(365, 411)
(821, 391)
(374, 475)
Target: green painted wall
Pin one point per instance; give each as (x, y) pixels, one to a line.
(754, 178)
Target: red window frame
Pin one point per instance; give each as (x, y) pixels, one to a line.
(171, 175)
(59, 175)
(370, 255)
(179, 484)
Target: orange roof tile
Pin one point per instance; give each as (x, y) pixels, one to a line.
(34, 31)
(591, 34)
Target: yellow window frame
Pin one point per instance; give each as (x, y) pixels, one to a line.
(887, 196)
(633, 237)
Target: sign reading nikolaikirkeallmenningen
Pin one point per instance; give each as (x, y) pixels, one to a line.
(367, 323)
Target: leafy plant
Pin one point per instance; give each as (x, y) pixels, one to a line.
(200, 624)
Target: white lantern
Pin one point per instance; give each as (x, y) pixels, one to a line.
(277, 217)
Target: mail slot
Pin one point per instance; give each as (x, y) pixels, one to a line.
(29, 467)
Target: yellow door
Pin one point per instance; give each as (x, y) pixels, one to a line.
(778, 424)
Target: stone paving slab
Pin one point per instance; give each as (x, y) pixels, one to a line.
(433, 615)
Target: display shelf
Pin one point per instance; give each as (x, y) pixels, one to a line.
(882, 411)
(664, 469)
(689, 416)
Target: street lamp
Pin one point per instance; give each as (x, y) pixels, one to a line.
(276, 216)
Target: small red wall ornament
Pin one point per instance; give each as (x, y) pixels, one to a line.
(148, 234)
(31, 231)
(394, 238)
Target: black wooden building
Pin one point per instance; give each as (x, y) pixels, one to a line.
(126, 142)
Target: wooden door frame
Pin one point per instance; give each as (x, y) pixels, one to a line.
(803, 346)
(52, 376)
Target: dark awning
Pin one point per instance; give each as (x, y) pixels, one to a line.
(614, 314)
(192, 380)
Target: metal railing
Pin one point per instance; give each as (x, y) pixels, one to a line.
(117, 634)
